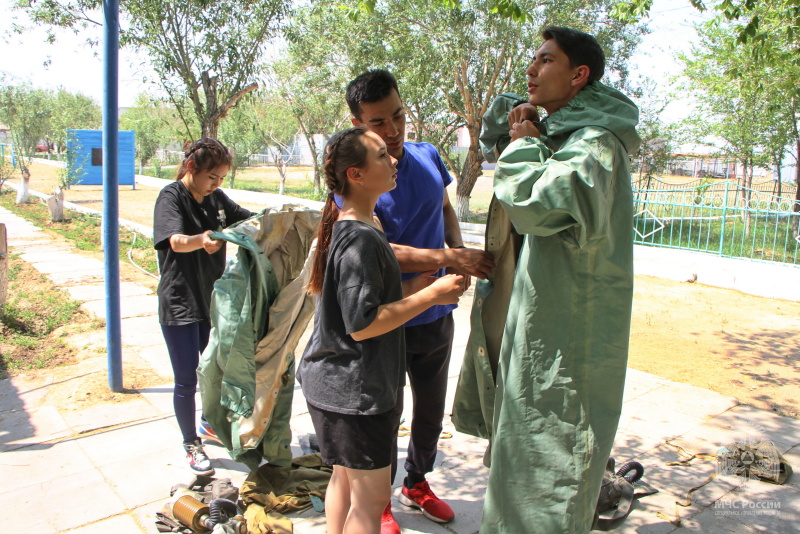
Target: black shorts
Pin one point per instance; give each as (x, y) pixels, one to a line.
(356, 441)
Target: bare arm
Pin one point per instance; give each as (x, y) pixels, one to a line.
(445, 290)
(190, 243)
(466, 261)
(452, 232)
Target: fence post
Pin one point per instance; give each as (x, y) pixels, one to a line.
(3, 268)
(724, 215)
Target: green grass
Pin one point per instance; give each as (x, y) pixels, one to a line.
(767, 239)
(34, 311)
(84, 231)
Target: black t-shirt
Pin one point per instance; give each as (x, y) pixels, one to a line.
(340, 374)
(187, 278)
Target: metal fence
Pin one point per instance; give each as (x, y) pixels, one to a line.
(719, 217)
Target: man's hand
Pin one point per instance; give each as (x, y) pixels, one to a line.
(210, 245)
(470, 261)
(523, 129)
(523, 112)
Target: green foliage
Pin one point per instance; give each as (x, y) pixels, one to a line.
(28, 113)
(206, 53)
(155, 125)
(74, 111)
(451, 59)
(240, 134)
(73, 169)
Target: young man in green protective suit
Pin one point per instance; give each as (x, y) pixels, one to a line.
(544, 370)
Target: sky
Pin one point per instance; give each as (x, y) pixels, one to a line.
(79, 68)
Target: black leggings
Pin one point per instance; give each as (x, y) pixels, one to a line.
(185, 343)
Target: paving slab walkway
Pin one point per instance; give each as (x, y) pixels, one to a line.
(109, 468)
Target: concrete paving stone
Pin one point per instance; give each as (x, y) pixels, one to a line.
(655, 419)
(677, 480)
(68, 265)
(146, 517)
(157, 356)
(121, 443)
(98, 292)
(314, 524)
(745, 420)
(42, 256)
(763, 506)
(20, 392)
(793, 457)
(463, 489)
(638, 383)
(132, 306)
(159, 397)
(644, 517)
(142, 331)
(21, 245)
(24, 512)
(38, 247)
(690, 400)
(120, 524)
(628, 445)
(710, 522)
(22, 428)
(40, 464)
(104, 415)
(147, 478)
(22, 233)
(72, 277)
(82, 498)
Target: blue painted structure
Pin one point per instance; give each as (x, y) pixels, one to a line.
(88, 145)
(112, 177)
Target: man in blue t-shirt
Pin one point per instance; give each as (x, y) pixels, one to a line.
(418, 220)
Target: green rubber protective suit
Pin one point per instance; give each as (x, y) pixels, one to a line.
(544, 370)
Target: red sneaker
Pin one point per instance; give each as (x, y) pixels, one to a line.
(421, 496)
(388, 523)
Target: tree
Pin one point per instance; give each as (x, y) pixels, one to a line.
(72, 110)
(451, 61)
(240, 134)
(205, 53)
(313, 92)
(658, 138)
(27, 112)
(278, 130)
(153, 124)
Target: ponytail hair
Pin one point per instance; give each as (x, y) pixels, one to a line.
(206, 154)
(344, 150)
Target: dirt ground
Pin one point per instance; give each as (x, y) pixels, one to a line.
(735, 344)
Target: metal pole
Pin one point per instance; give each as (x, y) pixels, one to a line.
(111, 191)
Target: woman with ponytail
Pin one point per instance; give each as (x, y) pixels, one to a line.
(186, 212)
(353, 369)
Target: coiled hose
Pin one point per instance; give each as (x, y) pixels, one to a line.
(631, 471)
(220, 510)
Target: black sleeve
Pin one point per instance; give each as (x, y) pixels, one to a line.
(167, 219)
(233, 211)
(360, 282)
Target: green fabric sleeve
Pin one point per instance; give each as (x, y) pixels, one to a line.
(494, 136)
(545, 193)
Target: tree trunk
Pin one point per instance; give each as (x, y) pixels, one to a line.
(470, 172)
(797, 177)
(282, 172)
(3, 268)
(23, 192)
(56, 205)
